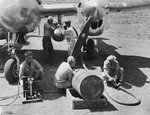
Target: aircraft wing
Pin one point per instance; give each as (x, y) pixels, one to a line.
(126, 4)
(56, 9)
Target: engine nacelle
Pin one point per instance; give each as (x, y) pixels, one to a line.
(98, 26)
(58, 34)
(19, 13)
(94, 8)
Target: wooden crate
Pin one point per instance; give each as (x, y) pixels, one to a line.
(77, 102)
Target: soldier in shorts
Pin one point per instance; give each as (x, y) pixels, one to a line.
(112, 70)
(64, 74)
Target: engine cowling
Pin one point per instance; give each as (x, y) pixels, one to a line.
(58, 34)
(94, 8)
(19, 13)
(98, 26)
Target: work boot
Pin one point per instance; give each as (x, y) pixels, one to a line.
(117, 85)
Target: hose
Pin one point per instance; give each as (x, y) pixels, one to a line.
(75, 31)
(8, 97)
(5, 45)
(83, 64)
(138, 101)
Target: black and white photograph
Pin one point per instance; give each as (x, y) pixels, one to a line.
(74, 57)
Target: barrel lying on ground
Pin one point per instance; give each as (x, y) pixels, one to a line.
(89, 85)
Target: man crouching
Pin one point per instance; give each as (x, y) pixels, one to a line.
(30, 68)
(112, 71)
(64, 74)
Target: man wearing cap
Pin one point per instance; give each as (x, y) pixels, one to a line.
(47, 43)
(69, 34)
(39, 1)
(30, 68)
(64, 74)
(112, 70)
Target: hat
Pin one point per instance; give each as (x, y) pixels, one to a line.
(28, 53)
(70, 59)
(111, 58)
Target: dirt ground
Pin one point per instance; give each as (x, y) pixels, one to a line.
(127, 38)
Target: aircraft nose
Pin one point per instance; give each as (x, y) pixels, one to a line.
(89, 7)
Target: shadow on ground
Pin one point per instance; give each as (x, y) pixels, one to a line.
(109, 107)
(131, 64)
(49, 70)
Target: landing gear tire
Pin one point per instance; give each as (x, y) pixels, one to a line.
(10, 71)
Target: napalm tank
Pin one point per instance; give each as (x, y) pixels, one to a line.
(58, 35)
(90, 86)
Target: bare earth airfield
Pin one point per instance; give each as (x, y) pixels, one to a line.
(128, 37)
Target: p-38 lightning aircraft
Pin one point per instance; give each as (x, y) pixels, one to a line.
(25, 15)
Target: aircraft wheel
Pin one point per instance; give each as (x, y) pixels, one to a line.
(10, 71)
